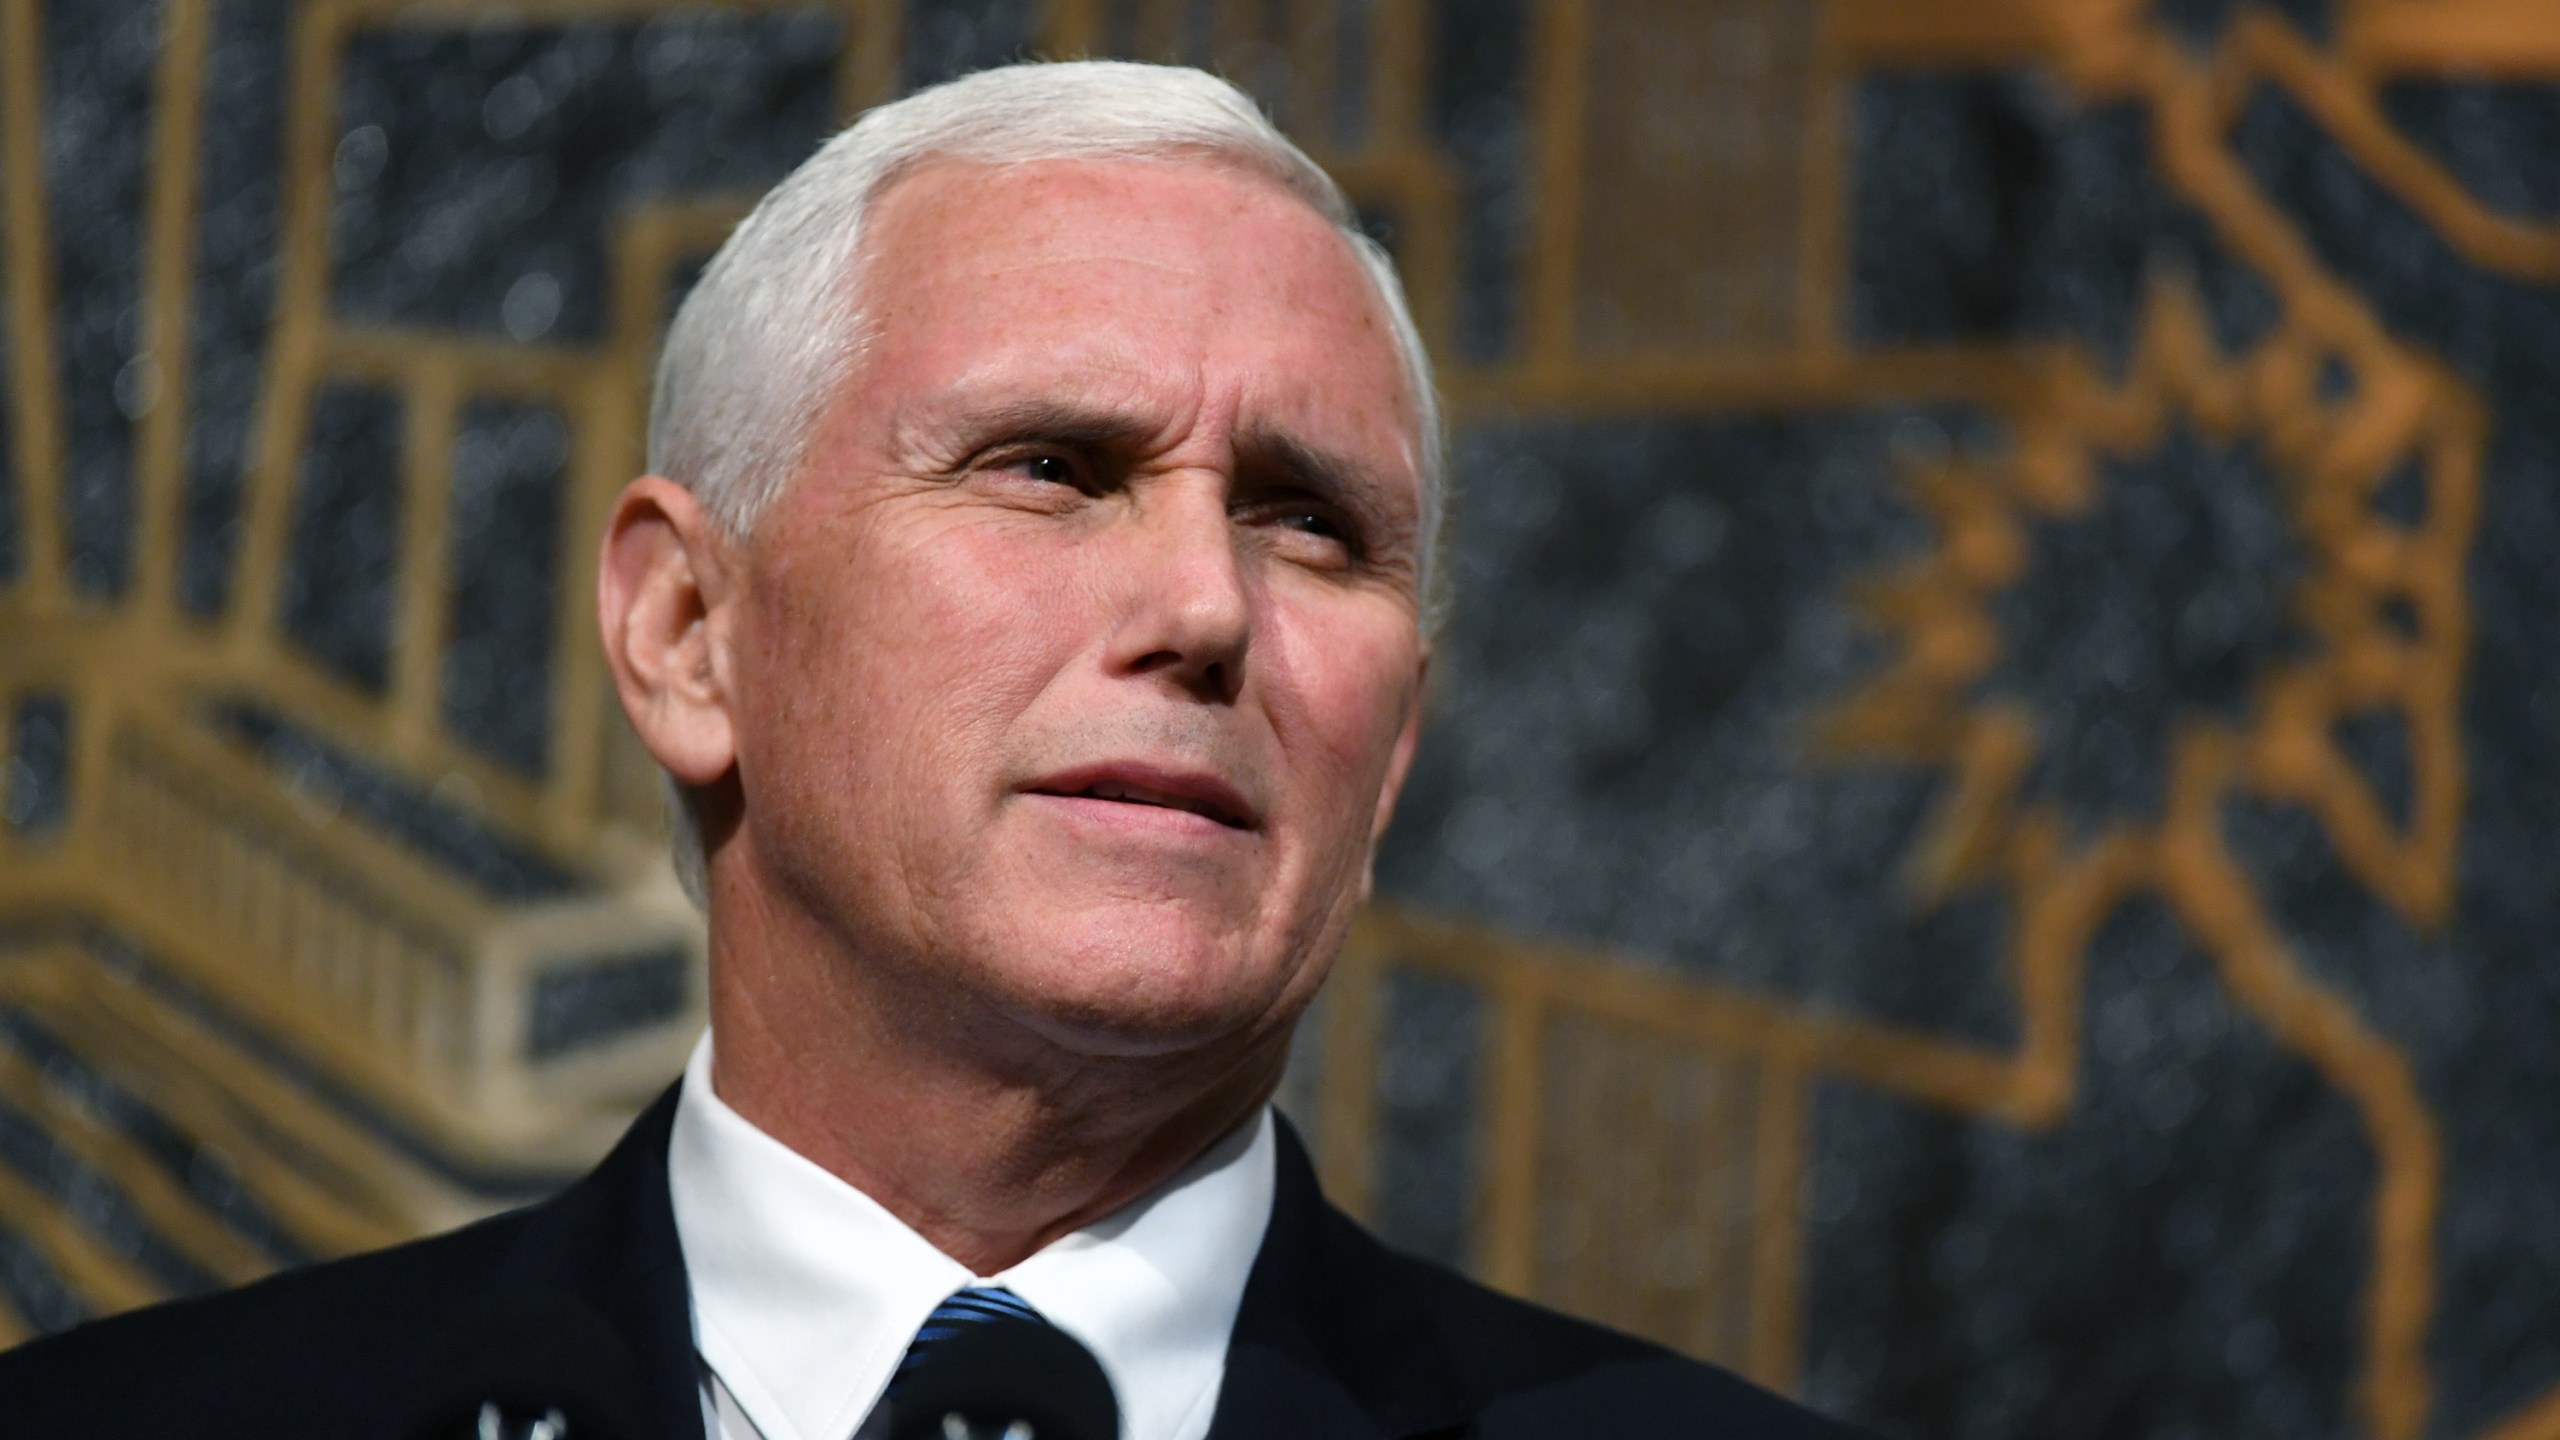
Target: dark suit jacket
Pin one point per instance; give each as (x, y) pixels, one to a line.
(1338, 1337)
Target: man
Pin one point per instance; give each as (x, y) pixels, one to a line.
(1031, 610)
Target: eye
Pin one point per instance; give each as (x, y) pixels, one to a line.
(1313, 535)
(1047, 469)
(1312, 522)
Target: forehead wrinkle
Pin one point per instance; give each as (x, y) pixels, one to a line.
(1098, 252)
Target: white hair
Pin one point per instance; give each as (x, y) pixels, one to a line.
(770, 334)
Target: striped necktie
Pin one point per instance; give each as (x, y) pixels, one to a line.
(975, 1305)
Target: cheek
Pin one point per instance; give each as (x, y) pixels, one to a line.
(958, 630)
(1341, 686)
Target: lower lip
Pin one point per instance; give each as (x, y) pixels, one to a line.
(1130, 817)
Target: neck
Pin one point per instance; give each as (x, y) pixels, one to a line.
(985, 1137)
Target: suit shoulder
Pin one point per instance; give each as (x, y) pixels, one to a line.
(317, 1349)
(1535, 1372)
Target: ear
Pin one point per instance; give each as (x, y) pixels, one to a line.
(666, 605)
(1399, 765)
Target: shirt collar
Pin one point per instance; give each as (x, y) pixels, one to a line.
(806, 1291)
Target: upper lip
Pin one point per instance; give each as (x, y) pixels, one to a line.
(1198, 791)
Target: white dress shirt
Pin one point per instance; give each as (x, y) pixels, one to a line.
(806, 1291)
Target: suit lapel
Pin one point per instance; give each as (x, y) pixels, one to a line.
(610, 1241)
(1326, 1343)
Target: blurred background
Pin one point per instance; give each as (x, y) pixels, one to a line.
(1989, 837)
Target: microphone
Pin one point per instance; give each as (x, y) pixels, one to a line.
(1006, 1380)
(530, 1364)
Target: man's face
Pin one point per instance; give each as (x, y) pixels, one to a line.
(1079, 665)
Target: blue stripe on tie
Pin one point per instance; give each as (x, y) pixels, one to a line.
(988, 1297)
(973, 1306)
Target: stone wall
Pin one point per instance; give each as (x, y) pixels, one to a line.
(1976, 513)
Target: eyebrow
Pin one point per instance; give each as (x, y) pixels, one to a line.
(954, 418)
(1326, 474)
(1321, 472)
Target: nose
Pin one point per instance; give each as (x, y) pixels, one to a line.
(1188, 618)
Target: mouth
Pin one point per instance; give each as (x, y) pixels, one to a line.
(1191, 792)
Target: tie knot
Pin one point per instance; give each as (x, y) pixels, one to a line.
(973, 1305)
(985, 1364)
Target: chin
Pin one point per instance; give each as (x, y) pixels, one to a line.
(1143, 984)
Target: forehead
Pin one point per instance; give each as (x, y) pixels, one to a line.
(1212, 295)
